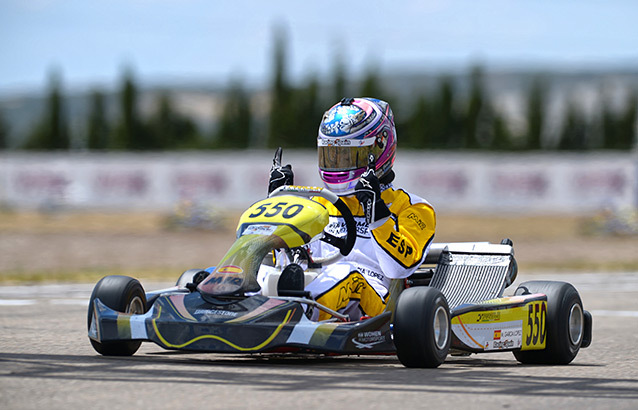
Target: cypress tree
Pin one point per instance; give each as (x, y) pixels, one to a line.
(474, 110)
(416, 132)
(235, 125)
(370, 86)
(501, 135)
(627, 123)
(339, 77)
(608, 126)
(573, 135)
(536, 102)
(130, 133)
(51, 133)
(281, 129)
(308, 114)
(98, 129)
(168, 129)
(444, 120)
(4, 133)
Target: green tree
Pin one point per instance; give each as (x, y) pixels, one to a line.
(168, 129)
(130, 133)
(370, 86)
(501, 135)
(51, 132)
(340, 84)
(281, 128)
(444, 124)
(608, 127)
(475, 111)
(573, 135)
(536, 102)
(235, 125)
(98, 127)
(416, 131)
(4, 133)
(627, 123)
(308, 114)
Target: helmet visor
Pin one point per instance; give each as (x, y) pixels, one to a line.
(342, 157)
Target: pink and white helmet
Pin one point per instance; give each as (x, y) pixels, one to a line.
(349, 132)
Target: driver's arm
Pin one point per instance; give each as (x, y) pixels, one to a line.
(402, 241)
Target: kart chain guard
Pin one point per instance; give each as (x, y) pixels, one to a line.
(473, 274)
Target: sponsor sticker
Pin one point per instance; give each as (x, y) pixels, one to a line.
(302, 188)
(230, 269)
(489, 316)
(417, 220)
(371, 273)
(509, 338)
(491, 335)
(367, 340)
(215, 312)
(259, 229)
(500, 344)
(337, 227)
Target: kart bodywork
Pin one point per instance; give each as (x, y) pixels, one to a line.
(454, 303)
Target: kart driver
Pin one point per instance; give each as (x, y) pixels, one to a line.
(394, 228)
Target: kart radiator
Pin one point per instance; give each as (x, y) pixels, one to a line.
(474, 272)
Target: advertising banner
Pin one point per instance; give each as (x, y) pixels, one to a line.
(474, 183)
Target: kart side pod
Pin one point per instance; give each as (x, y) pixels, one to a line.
(463, 311)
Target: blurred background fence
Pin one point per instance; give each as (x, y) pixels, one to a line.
(464, 182)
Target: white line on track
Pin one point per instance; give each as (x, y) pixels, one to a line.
(79, 302)
(17, 302)
(26, 302)
(614, 313)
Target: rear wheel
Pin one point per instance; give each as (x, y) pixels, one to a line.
(122, 294)
(421, 327)
(565, 323)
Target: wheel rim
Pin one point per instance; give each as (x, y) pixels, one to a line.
(575, 324)
(135, 306)
(441, 327)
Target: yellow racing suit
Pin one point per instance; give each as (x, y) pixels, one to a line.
(390, 248)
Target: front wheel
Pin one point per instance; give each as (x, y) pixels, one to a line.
(122, 294)
(421, 329)
(565, 323)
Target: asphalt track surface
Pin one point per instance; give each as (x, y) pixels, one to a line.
(46, 361)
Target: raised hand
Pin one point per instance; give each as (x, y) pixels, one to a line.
(279, 176)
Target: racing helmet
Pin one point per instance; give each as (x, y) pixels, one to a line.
(349, 132)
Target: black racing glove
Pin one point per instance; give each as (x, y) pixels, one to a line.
(279, 176)
(368, 192)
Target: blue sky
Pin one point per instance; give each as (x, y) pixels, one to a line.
(181, 40)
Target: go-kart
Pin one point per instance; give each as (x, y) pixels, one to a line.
(453, 304)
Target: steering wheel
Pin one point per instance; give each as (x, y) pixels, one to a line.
(344, 245)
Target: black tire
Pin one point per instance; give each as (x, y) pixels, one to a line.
(122, 294)
(421, 329)
(565, 323)
(194, 276)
